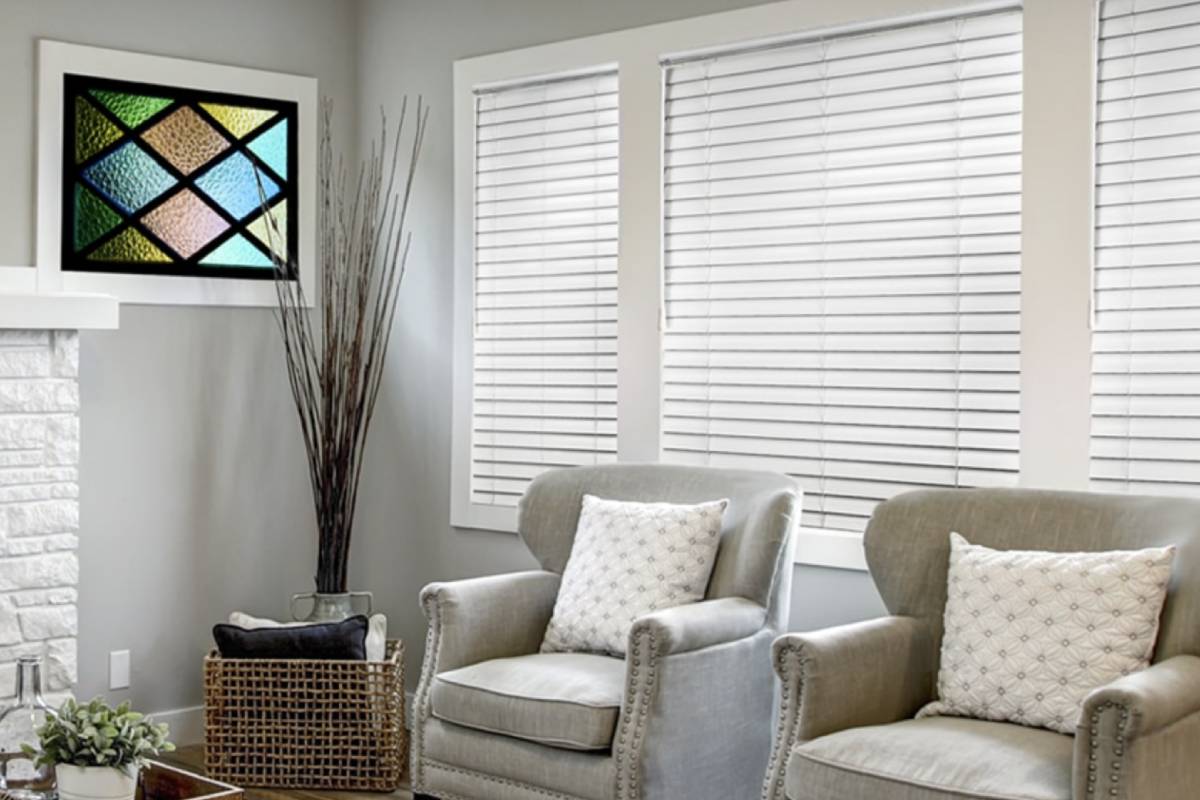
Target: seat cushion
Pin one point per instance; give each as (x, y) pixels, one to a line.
(568, 700)
(936, 758)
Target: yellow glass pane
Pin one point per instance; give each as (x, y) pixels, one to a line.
(129, 246)
(270, 237)
(238, 120)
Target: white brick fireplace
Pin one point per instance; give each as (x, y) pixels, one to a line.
(39, 479)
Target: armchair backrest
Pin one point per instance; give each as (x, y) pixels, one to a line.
(908, 544)
(755, 558)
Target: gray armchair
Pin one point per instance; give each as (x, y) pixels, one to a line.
(846, 729)
(679, 717)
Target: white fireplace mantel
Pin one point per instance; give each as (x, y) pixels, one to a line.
(23, 307)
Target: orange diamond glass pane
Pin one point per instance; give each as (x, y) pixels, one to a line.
(186, 140)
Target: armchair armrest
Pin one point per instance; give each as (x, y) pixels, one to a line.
(484, 618)
(671, 658)
(1138, 736)
(698, 625)
(868, 673)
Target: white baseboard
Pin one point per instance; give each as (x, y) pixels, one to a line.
(187, 724)
(837, 549)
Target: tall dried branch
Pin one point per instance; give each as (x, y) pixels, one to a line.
(335, 365)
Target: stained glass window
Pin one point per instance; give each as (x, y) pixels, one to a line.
(168, 181)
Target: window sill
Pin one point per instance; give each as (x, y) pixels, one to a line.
(816, 547)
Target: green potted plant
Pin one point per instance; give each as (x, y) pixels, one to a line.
(96, 750)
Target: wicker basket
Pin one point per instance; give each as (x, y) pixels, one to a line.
(301, 724)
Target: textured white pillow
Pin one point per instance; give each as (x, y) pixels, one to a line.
(629, 559)
(1028, 635)
(376, 643)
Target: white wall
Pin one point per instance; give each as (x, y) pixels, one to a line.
(194, 499)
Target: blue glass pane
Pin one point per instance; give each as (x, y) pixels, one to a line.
(232, 184)
(236, 252)
(129, 178)
(272, 148)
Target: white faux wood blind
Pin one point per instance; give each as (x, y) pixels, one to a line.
(545, 352)
(1146, 342)
(842, 258)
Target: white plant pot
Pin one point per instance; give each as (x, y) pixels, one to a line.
(94, 783)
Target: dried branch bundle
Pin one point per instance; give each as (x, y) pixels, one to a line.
(335, 377)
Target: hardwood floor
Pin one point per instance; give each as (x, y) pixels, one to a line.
(191, 758)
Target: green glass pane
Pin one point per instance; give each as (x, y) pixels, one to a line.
(93, 217)
(237, 252)
(129, 246)
(93, 130)
(132, 109)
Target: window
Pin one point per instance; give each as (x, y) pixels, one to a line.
(167, 181)
(842, 261)
(1146, 342)
(821, 266)
(545, 282)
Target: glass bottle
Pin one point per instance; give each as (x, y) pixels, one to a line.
(20, 777)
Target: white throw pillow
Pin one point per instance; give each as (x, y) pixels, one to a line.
(376, 644)
(1028, 635)
(629, 559)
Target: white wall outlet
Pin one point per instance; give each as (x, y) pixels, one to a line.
(118, 669)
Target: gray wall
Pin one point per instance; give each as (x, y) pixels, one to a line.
(193, 496)
(194, 500)
(404, 535)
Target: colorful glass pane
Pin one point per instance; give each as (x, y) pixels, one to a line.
(237, 252)
(172, 180)
(276, 236)
(186, 140)
(132, 109)
(233, 184)
(272, 147)
(129, 246)
(93, 130)
(238, 120)
(185, 222)
(128, 177)
(93, 217)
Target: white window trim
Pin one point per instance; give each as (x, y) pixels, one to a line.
(1059, 63)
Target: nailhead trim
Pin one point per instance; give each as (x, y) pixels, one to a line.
(642, 666)
(789, 665)
(433, 644)
(1118, 749)
(525, 787)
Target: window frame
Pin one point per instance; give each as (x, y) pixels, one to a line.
(1059, 63)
